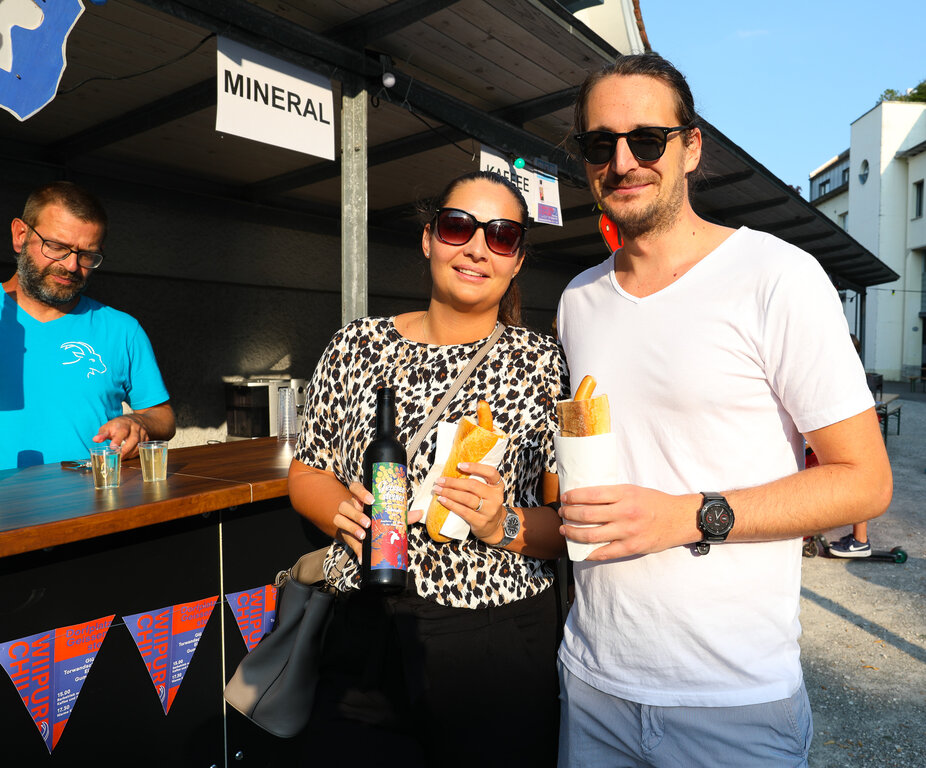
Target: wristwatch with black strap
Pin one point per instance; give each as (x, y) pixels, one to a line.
(511, 527)
(715, 521)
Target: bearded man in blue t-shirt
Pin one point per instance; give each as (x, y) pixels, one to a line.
(69, 362)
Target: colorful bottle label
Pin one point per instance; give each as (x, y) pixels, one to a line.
(389, 545)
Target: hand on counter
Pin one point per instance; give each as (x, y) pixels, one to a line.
(128, 430)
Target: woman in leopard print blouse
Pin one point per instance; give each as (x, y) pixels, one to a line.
(470, 647)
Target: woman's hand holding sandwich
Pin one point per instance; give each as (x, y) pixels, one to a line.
(479, 504)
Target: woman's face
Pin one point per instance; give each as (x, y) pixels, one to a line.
(471, 277)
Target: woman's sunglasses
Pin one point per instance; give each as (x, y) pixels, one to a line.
(457, 227)
(646, 144)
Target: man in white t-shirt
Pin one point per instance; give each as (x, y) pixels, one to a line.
(720, 351)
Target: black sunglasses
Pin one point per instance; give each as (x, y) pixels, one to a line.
(457, 227)
(646, 144)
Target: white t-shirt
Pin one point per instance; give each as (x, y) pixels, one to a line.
(711, 382)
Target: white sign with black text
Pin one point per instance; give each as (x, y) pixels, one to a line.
(270, 100)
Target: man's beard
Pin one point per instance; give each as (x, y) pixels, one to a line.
(33, 282)
(654, 219)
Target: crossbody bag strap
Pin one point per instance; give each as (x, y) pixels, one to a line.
(438, 409)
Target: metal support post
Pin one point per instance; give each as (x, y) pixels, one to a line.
(354, 199)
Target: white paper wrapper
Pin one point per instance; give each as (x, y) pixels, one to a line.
(454, 527)
(582, 462)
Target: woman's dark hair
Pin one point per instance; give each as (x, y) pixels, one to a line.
(509, 308)
(649, 64)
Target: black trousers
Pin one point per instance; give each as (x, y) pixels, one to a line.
(409, 682)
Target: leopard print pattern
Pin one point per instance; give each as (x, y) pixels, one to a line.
(522, 377)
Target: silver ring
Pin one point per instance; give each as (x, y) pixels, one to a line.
(495, 485)
(479, 508)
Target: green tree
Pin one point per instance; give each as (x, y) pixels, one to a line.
(917, 93)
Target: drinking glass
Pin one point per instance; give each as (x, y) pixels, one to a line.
(107, 466)
(153, 456)
(286, 414)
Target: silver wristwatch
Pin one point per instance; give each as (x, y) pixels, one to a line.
(511, 527)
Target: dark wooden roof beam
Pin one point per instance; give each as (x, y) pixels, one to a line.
(813, 236)
(359, 32)
(186, 102)
(827, 249)
(740, 210)
(798, 221)
(519, 114)
(708, 183)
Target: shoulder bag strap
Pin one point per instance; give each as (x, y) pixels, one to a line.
(438, 409)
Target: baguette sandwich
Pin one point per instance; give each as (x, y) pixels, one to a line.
(473, 440)
(584, 415)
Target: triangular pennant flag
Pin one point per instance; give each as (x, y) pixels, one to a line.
(255, 611)
(49, 669)
(167, 639)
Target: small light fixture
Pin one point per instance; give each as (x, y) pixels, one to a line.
(388, 78)
(519, 163)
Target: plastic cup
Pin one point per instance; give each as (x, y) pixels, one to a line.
(286, 414)
(107, 466)
(153, 456)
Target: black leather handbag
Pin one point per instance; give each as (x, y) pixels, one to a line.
(274, 685)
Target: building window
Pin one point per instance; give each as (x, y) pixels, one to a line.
(844, 220)
(863, 172)
(824, 187)
(845, 175)
(918, 199)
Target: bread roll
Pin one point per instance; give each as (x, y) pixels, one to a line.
(586, 415)
(470, 443)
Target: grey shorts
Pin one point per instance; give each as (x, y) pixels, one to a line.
(598, 730)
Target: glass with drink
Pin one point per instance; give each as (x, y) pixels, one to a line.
(107, 466)
(153, 455)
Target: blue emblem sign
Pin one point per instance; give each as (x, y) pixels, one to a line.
(33, 36)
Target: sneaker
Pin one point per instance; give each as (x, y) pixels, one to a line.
(849, 546)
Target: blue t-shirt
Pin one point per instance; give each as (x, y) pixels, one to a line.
(62, 380)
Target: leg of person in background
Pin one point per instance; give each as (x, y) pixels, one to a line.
(853, 544)
(860, 532)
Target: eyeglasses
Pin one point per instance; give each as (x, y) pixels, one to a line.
(60, 251)
(457, 227)
(646, 144)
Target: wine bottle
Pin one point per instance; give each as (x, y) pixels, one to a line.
(385, 547)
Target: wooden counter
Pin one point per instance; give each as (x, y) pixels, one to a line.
(219, 524)
(46, 505)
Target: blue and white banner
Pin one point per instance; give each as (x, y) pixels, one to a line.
(33, 37)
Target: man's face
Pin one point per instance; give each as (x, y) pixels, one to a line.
(641, 197)
(55, 283)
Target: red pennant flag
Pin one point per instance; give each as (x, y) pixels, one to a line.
(49, 669)
(167, 639)
(255, 611)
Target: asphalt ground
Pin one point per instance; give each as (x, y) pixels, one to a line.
(864, 624)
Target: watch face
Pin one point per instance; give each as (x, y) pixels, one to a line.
(716, 520)
(512, 525)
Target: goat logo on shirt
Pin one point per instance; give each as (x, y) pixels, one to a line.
(84, 353)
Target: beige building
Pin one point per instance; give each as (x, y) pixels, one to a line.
(874, 190)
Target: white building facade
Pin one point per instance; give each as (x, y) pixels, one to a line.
(874, 190)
